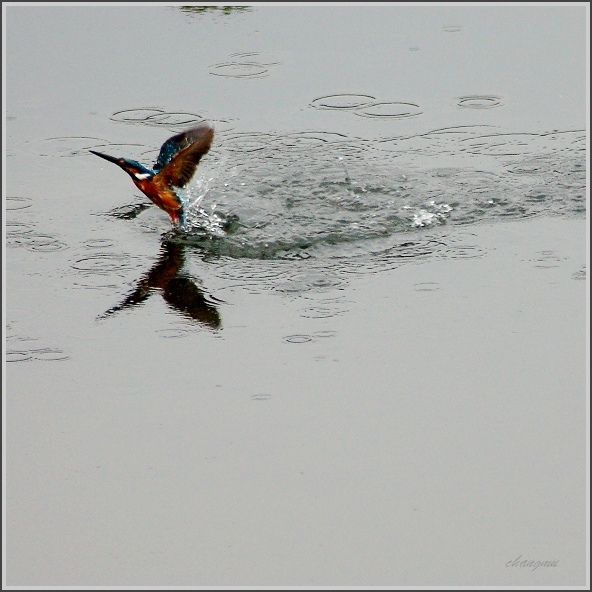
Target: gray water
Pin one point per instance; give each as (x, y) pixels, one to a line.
(222, 404)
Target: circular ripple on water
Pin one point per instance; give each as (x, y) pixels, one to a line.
(342, 101)
(18, 356)
(136, 115)
(390, 110)
(105, 263)
(416, 249)
(527, 168)
(18, 203)
(297, 339)
(547, 259)
(321, 312)
(239, 70)
(243, 65)
(175, 333)
(44, 243)
(324, 334)
(311, 280)
(156, 117)
(24, 236)
(248, 270)
(426, 287)
(462, 252)
(17, 228)
(17, 233)
(511, 145)
(50, 355)
(291, 287)
(98, 243)
(307, 140)
(174, 119)
(61, 147)
(479, 102)
(458, 247)
(390, 258)
(247, 142)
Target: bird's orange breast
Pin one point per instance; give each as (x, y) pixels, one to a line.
(159, 194)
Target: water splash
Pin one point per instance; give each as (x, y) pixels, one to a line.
(434, 214)
(199, 220)
(285, 196)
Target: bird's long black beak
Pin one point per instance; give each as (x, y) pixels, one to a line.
(107, 157)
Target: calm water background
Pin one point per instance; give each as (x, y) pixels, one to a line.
(376, 375)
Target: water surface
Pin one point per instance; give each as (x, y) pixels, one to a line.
(356, 362)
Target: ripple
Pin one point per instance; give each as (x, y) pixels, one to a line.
(43, 242)
(252, 142)
(115, 148)
(25, 236)
(462, 252)
(248, 270)
(98, 243)
(23, 353)
(173, 333)
(547, 259)
(239, 70)
(15, 227)
(297, 339)
(157, 117)
(390, 110)
(50, 355)
(105, 263)
(321, 312)
(261, 397)
(18, 233)
(66, 146)
(136, 115)
(174, 119)
(324, 334)
(342, 101)
(18, 356)
(223, 10)
(18, 203)
(426, 287)
(315, 280)
(452, 29)
(306, 140)
(243, 65)
(479, 102)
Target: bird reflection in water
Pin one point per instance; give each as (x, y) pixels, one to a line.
(179, 292)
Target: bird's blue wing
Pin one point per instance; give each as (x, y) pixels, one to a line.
(168, 150)
(181, 155)
(177, 143)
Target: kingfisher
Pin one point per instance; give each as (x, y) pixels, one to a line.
(174, 168)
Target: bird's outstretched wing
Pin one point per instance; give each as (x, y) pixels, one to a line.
(180, 155)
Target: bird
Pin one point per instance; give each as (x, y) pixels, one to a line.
(174, 168)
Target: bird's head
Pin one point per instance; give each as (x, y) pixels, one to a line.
(134, 169)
